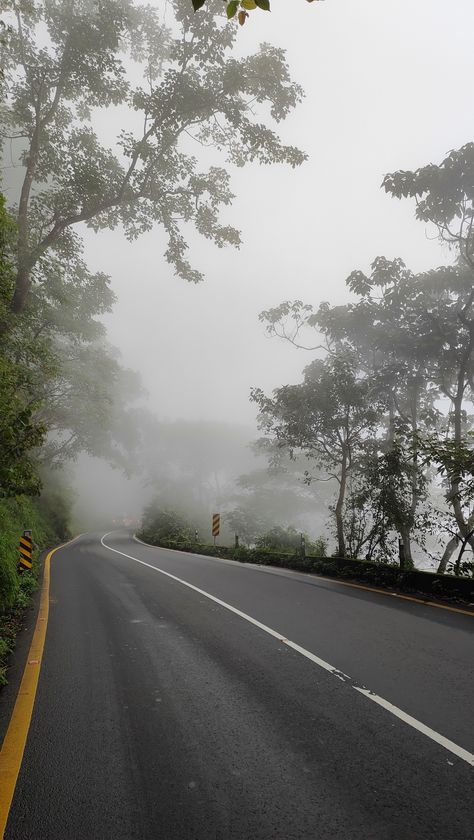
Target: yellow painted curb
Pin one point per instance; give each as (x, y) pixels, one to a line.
(389, 594)
(13, 747)
(386, 592)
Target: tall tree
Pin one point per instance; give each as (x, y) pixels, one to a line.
(444, 197)
(66, 59)
(328, 418)
(82, 393)
(20, 431)
(383, 327)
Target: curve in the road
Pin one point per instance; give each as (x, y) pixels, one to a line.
(460, 752)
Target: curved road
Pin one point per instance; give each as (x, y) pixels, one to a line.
(250, 704)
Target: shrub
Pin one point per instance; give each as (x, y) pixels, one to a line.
(317, 547)
(289, 540)
(160, 524)
(48, 521)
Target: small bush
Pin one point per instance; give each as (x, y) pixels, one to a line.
(241, 553)
(160, 524)
(289, 541)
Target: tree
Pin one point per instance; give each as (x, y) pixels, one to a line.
(87, 407)
(328, 418)
(66, 59)
(444, 198)
(245, 523)
(75, 381)
(62, 388)
(383, 327)
(276, 493)
(20, 431)
(406, 332)
(163, 524)
(390, 484)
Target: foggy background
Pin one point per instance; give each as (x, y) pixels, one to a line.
(388, 86)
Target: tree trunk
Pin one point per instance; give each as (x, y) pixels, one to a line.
(447, 554)
(406, 540)
(341, 543)
(414, 488)
(466, 540)
(22, 284)
(22, 288)
(455, 488)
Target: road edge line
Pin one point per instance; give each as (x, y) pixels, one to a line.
(14, 742)
(434, 736)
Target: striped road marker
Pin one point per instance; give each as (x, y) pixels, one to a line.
(216, 524)
(26, 550)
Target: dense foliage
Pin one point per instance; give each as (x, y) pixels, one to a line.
(290, 540)
(164, 526)
(64, 60)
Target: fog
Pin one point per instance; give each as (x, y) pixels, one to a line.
(387, 87)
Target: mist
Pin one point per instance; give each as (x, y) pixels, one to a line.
(385, 89)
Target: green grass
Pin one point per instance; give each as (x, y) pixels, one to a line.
(17, 515)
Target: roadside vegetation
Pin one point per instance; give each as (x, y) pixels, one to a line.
(286, 548)
(48, 518)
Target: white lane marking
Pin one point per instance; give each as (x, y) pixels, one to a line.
(460, 752)
(416, 724)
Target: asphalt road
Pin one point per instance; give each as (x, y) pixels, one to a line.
(162, 715)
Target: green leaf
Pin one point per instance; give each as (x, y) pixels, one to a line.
(263, 4)
(232, 8)
(197, 4)
(248, 4)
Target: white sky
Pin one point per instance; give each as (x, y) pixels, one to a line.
(388, 86)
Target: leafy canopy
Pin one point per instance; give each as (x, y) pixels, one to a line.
(20, 431)
(66, 60)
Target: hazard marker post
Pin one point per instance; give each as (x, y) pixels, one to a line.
(216, 525)
(26, 551)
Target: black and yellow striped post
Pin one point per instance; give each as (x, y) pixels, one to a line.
(26, 551)
(216, 525)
